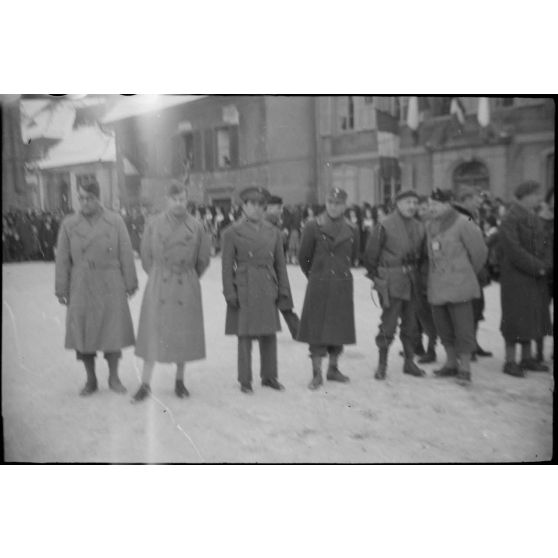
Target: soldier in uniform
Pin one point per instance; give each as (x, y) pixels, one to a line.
(392, 258)
(255, 286)
(328, 247)
(456, 253)
(273, 216)
(175, 252)
(95, 273)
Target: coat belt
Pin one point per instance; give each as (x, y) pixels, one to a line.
(89, 264)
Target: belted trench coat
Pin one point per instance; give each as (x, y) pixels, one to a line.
(175, 252)
(255, 280)
(94, 270)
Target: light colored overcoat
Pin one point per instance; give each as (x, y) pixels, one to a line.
(94, 270)
(175, 252)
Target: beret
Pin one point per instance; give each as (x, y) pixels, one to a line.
(275, 200)
(526, 188)
(406, 194)
(254, 193)
(443, 196)
(337, 194)
(92, 188)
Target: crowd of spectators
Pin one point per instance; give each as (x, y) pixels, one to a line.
(31, 235)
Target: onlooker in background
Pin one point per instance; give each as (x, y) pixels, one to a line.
(456, 254)
(47, 236)
(294, 235)
(546, 214)
(524, 279)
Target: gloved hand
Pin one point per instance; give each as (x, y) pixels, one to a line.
(63, 300)
(284, 302)
(233, 302)
(131, 292)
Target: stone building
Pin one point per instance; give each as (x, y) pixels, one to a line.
(517, 144)
(221, 143)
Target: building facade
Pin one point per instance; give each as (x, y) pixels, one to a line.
(221, 143)
(517, 144)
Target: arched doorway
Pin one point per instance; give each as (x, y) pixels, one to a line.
(471, 173)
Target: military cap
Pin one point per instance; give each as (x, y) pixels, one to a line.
(92, 188)
(337, 194)
(254, 193)
(442, 196)
(526, 188)
(466, 192)
(275, 200)
(406, 194)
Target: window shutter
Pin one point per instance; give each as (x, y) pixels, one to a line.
(233, 135)
(197, 164)
(208, 150)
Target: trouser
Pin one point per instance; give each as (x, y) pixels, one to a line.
(478, 308)
(455, 325)
(324, 350)
(425, 318)
(268, 357)
(398, 308)
(108, 355)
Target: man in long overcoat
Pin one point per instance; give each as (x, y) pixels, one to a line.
(255, 286)
(95, 273)
(523, 279)
(328, 247)
(392, 259)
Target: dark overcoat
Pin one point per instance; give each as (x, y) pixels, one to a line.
(255, 280)
(175, 252)
(326, 252)
(94, 270)
(523, 290)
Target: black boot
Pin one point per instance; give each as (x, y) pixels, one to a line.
(419, 349)
(91, 385)
(142, 393)
(512, 369)
(409, 366)
(430, 355)
(382, 365)
(180, 389)
(317, 379)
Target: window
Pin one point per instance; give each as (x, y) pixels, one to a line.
(503, 102)
(471, 173)
(346, 112)
(85, 179)
(188, 151)
(223, 148)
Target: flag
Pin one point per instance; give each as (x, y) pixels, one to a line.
(415, 115)
(483, 113)
(387, 127)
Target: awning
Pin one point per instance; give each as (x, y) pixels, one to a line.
(144, 104)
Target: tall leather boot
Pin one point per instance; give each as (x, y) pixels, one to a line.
(317, 379)
(409, 366)
(382, 365)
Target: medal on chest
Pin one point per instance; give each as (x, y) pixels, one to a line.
(436, 245)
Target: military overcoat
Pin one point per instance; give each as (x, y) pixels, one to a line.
(326, 252)
(255, 280)
(175, 252)
(523, 290)
(94, 270)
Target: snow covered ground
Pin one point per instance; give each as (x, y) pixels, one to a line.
(404, 419)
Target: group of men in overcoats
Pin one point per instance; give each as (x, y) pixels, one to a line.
(412, 263)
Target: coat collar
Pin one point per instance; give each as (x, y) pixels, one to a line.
(445, 221)
(337, 231)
